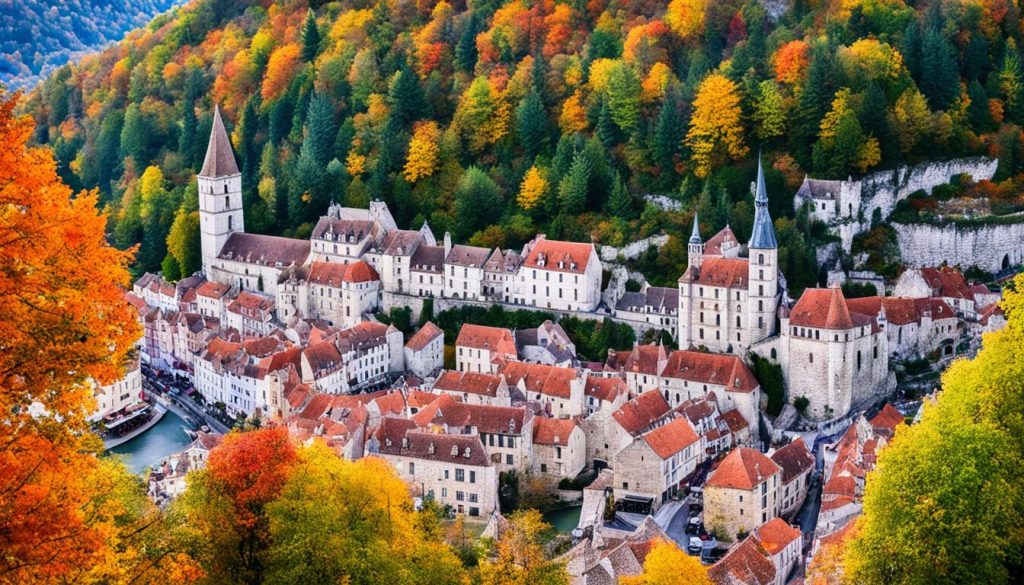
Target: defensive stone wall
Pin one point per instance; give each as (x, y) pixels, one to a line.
(991, 247)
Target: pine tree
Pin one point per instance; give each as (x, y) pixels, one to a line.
(532, 125)
(607, 131)
(624, 92)
(940, 80)
(310, 37)
(477, 203)
(465, 50)
(405, 97)
(667, 138)
(814, 102)
(910, 48)
(572, 190)
(620, 204)
(978, 114)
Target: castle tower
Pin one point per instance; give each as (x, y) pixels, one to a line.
(763, 293)
(220, 195)
(696, 245)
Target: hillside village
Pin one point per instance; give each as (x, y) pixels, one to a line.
(284, 331)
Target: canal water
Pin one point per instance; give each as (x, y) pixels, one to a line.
(153, 446)
(563, 520)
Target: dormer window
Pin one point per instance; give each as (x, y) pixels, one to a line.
(455, 450)
(466, 455)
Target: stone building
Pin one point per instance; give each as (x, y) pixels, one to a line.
(650, 470)
(797, 464)
(565, 276)
(655, 306)
(483, 349)
(915, 327)
(559, 448)
(474, 388)
(424, 351)
(114, 397)
(727, 303)
(742, 493)
(832, 356)
(451, 469)
(558, 391)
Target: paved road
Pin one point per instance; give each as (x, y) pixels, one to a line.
(183, 406)
(676, 526)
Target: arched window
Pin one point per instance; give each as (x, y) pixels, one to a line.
(225, 187)
(760, 258)
(737, 320)
(810, 358)
(774, 354)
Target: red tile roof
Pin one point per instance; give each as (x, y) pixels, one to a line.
(559, 256)
(419, 398)
(265, 250)
(899, 310)
(720, 272)
(446, 411)
(775, 535)
(713, 247)
(671, 438)
(548, 380)
(734, 420)
(469, 382)
(710, 368)
(333, 274)
(824, 308)
(888, 418)
(425, 335)
(947, 282)
(552, 431)
(605, 389)
(638, 414)
(990, 311)
(743, 469)
(211, 289)
(496, 339)
(747, 563)
(794, 459)
(645, 358)
(460, 449)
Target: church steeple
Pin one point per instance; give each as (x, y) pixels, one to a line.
(220, 196)
(763, 234)
(220, 159)
(695, 247)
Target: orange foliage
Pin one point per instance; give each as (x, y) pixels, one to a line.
(574, 116)
(250, 469)
(280, 70)
(63, 321)
(560, 30)
(645, 43)
(791, 62)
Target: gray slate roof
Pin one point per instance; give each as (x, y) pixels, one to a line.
(220, 159)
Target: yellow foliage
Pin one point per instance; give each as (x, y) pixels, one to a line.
(573, 118)
(686, 18)
(840, 109)
(600, 69)
(666, 564)
(533, 189)
(657, 80)
(351, 26)
(355, 163)
(872, 59)
(716, 128)
(424, 151)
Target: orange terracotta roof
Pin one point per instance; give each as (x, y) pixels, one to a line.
(605, 389)
(947, 282)
(710, 368)
(497, 339)
(552, 431)
(713, 247)
(888, 418)
(419, 398)
(638, 414)
(775, 535)
(743, 469)
(794, 459)
(425, 335)
(645, 358)
(671, 438)
(446, 411)
(720, 272)
(747, 563)
(211, 289)
(469, 382)
(333, 274)
(559, 256)
(735, 421)
(824, 308)
(548, 380)
(842, 485)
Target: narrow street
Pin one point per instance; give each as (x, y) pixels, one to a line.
(185, 407)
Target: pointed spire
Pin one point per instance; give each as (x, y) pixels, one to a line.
(763, 234)
(695, 236)
(220, 159)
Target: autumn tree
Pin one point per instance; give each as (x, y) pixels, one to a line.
(955, 472)
(183, 242)
(224, 508)
(424, 152)
(666, 564)
(716, 128)
(519, 558)
(769, 113)
(67, 515)
(341, 521)
(533, 189)
(686, 18)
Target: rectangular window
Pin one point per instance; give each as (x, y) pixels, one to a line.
(472, 476)
(460, 474)
(460, 496)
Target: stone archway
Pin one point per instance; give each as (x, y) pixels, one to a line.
(1006, 262)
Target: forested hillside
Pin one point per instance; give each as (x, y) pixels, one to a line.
(498, 119)
(38, 36)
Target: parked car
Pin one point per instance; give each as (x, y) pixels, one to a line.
(695, 525)
(695, 546)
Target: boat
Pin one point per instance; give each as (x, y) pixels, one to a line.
(133, 424)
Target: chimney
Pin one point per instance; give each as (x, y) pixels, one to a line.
(447, 243)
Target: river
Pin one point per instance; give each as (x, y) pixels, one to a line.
(152, 446)
(565, 519)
